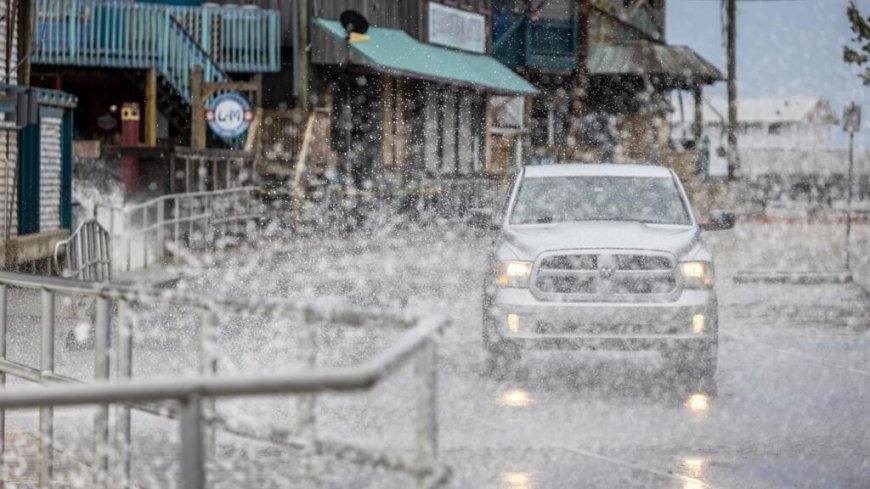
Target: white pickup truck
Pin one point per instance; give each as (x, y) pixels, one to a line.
(602, 257)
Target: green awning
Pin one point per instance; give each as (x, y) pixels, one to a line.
(393, 51)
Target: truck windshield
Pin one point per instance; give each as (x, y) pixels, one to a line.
(593, 198)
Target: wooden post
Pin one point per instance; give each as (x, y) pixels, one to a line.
(151, 107)
(299, 179)
(487, 128)
(25, 40)
(401, 130)
(581, 75)
(388, 126)
(302, 55)
(197, 119)
(698, 121)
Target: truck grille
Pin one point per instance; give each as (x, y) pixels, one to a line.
(605, 277)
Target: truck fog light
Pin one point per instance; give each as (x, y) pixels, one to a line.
(698, 323)
(513, 323)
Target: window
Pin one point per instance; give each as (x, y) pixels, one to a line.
(776, 128)
(594, 198)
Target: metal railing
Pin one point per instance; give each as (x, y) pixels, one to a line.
(169, 38)
(192, 220)
(195, 408)
(88, 253)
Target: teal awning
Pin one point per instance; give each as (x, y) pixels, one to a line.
(395, 52)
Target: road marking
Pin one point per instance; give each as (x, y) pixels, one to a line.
(794, 354)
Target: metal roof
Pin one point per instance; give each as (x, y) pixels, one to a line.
(679, 63)
(395, 52)
(589, 170)
(801, 109)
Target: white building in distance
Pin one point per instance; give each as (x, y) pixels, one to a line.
(803, 123)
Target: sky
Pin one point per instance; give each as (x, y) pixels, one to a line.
(784, 47)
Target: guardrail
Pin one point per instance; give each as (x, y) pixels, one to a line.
(192, 220)
(88, 252)
(195, 408)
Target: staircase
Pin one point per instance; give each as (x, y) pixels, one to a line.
(170, 39)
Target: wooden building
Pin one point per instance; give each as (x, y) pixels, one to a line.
(35, 158)
(409, 100)
(613, 54)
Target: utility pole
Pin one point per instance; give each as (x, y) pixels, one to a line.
(733, 160)
(581, 76)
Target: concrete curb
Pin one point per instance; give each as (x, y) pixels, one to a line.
(789, 277)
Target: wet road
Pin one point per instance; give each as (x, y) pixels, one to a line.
(789, 411)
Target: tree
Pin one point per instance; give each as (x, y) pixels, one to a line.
(859, 54)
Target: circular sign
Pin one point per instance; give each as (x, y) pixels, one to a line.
(229, 115)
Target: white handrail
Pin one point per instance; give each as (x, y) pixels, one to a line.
(190, 219)
(194, 396)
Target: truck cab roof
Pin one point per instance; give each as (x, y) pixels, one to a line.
(606, 170)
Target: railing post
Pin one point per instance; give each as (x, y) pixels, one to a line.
(177, 214)
(127, 238)
(101, 373)
(427, 410)
(208, 367)
(192, 457)
(164, 43)
(111, 240)
(306, 404)
(2, 382)
(145, 240)
(77, 269)
(46, 413)
(123, 371)
(73, 23)
(161, 232)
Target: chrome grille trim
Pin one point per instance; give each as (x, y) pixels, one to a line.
(618, 276)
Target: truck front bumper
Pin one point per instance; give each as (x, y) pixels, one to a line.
(519, 319)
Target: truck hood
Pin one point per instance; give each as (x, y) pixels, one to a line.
(527, 242)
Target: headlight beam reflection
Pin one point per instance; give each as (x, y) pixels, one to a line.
(517, 480)
(515, 398)
(698, 403)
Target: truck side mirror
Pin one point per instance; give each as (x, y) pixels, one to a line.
(719, 220)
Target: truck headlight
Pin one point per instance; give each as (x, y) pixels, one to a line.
(514, 273)
(697, 274)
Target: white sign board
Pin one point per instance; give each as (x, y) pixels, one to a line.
(229, 116)
(457, 28)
